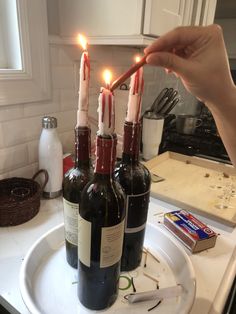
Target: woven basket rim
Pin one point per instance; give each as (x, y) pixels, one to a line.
(14, 211)
(19, 179)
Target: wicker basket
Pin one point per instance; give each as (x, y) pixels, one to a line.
(20, 199)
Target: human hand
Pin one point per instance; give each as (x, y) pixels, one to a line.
(198, 56)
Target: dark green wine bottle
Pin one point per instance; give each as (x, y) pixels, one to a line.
(74, 181)
(101, 230)
(135, 180)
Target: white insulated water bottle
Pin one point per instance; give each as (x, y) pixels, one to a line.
(51, 157)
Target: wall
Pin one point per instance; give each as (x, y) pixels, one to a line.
(20, 125)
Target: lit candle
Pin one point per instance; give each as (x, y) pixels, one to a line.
(106, 112)
(135, 95)
(82, 113)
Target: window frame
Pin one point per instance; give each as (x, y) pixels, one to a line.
(32, 83)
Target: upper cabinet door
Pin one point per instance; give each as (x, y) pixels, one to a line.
(160, 16)
(122, 22)
(208, 12)
(163, 15)
(100, 18)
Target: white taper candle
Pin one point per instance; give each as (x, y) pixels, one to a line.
(83, 102)
(135, 96)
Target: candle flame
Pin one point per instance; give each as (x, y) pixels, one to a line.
(137, 59)
(107, 75)
(82, 41)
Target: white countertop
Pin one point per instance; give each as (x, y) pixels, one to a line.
(214, 268)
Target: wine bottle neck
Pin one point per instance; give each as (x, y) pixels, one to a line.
(104, 177)
(82, 146)
(132, 134)
(105, 155)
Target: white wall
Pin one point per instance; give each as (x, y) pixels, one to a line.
(20, 125)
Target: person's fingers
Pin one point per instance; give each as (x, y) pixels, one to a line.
(180, 36)
(169, 61)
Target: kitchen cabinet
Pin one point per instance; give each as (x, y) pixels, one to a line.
(133, 22)
(161, 16)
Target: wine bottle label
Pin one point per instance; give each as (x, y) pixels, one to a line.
(111, 244)
(71, 211)
(84, 240)
(136, 212)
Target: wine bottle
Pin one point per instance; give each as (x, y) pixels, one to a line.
(74, 181)
(101, 222)
(135, 179)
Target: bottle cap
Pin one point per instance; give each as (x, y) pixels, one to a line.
(49, 122)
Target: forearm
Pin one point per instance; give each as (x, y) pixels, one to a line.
(198, 56)
(224, 114)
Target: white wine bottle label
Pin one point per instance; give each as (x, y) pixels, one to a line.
(111, 244)
(71, 211)
(84, 240)
(136, 212)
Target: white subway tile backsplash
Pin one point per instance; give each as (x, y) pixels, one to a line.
(56, 95)
(66, 121)
(11, 112)
(149, 73)
(101, 54)
(25, 172)
(151, 90)
(121, 101)
(159, 73)
(70, 53)
(118, 70)
(170, 81)
(21, 131)
(94, 91)
(93, 100)
(69, 99)
(147, 103)
(33, 151)
(14, 157)
(124, 56)
(65, 55)
(93, 113)
(62, 77)
(68, 140)
(41, 109)
(96, 78)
